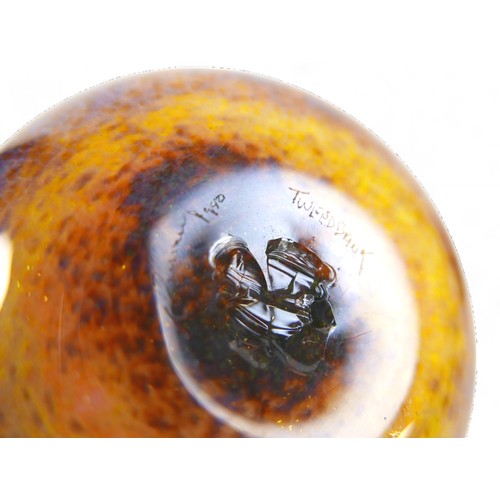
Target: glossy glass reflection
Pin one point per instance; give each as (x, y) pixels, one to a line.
(291, 318)
(208, 253)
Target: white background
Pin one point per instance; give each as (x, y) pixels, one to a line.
(423, 75)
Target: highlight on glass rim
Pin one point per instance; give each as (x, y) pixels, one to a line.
(210, 253)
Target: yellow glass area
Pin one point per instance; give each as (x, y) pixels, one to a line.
(122, 313)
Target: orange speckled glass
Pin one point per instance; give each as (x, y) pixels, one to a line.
(208, 253)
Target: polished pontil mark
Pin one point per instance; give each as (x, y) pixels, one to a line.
(268, 376)
(290, 317)
(109, 211)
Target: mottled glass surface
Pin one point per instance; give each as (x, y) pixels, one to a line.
(208, 253)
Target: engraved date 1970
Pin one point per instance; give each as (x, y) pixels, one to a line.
(210, 211)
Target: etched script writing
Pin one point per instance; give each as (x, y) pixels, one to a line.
(207, 214)
(304, 202)
(210, 211)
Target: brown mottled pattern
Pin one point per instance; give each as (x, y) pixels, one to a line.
(81, 352)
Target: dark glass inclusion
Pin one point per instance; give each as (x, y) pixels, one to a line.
(256, 334)
(288, 318)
